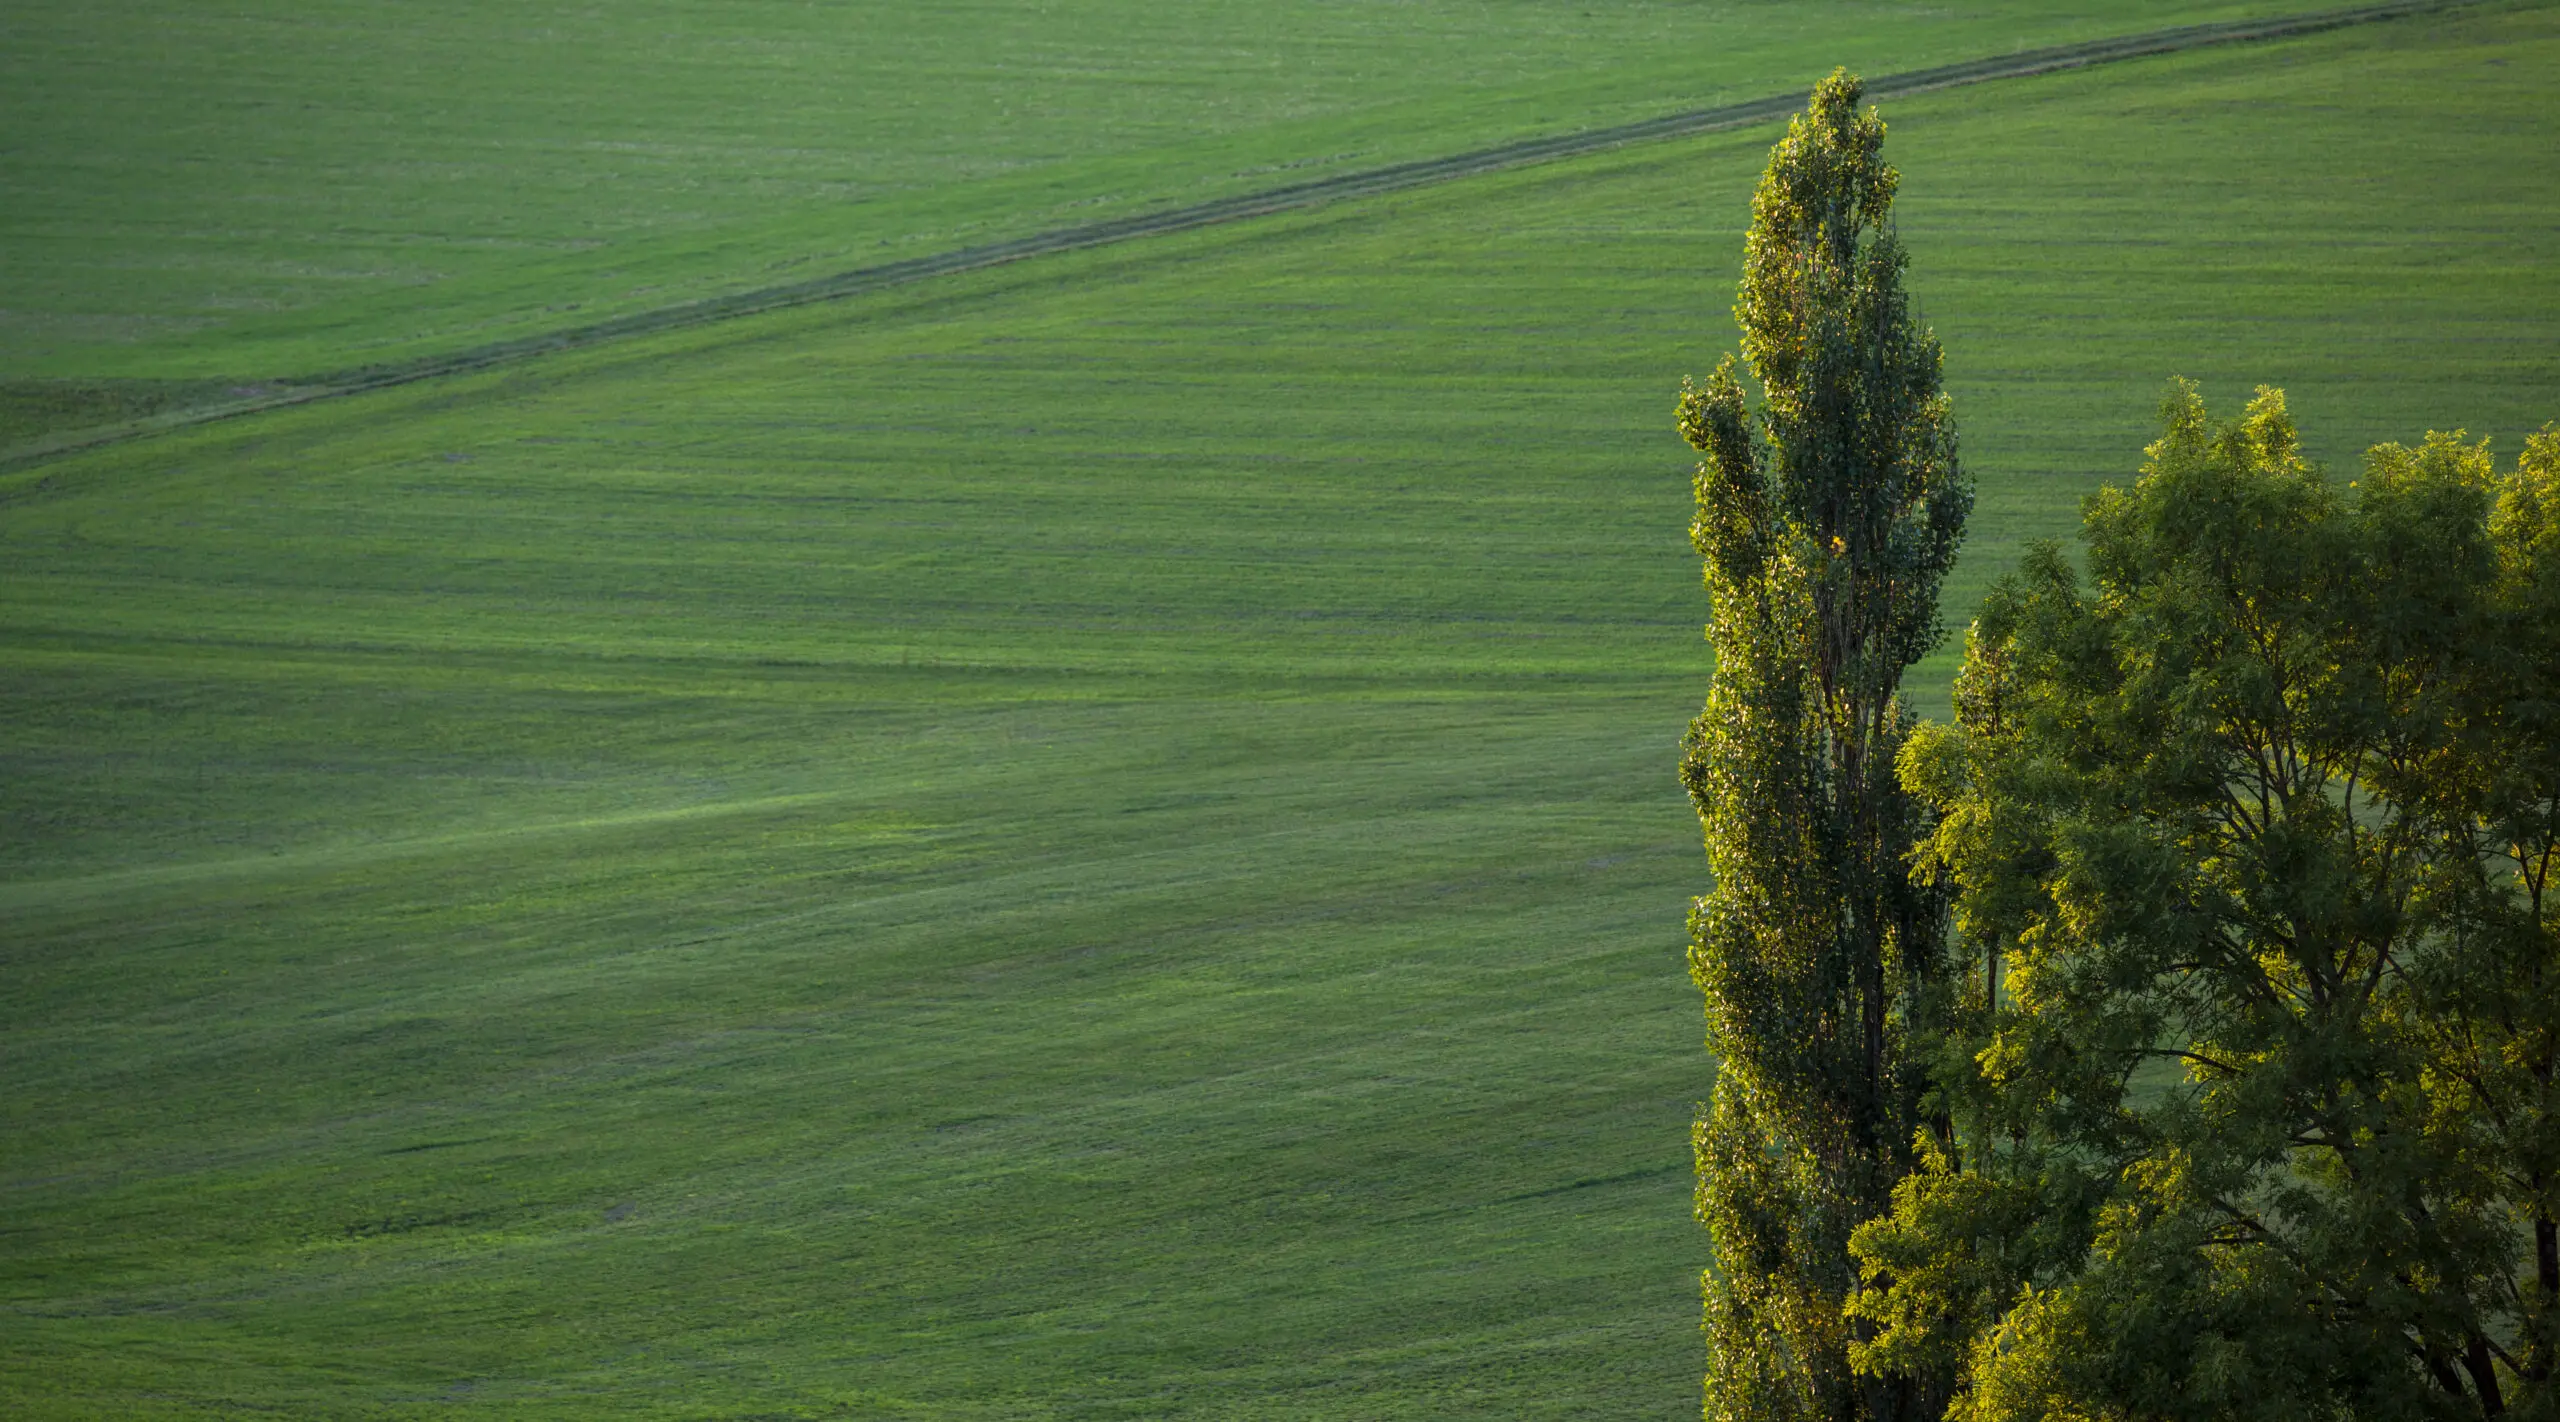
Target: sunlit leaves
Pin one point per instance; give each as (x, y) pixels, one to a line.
(1827, 516)
(2258, 818)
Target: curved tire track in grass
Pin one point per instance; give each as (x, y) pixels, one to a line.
(1266, 202)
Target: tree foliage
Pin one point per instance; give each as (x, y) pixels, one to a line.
(1827, 518)
(2250, 1043)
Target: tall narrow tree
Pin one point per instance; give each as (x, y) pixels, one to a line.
(1827, 519)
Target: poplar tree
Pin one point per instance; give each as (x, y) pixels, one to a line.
(1827, 517)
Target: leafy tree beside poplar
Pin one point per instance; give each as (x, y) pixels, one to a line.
(1827, 517)
(2255, 827)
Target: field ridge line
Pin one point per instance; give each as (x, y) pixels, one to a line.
(1266, 202)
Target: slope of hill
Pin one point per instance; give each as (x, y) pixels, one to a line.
(262, 191)
(1095, 840)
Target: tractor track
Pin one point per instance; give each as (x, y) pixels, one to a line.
(1267, 202)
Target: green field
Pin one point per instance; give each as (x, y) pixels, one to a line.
(263, 190)
(1095, 839)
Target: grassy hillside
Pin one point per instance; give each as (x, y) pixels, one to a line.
(1094, 840)
(271, 190)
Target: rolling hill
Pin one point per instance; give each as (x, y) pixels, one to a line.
(1089, 839)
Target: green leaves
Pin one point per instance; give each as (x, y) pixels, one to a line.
(1826, 516)
(2256, 1036)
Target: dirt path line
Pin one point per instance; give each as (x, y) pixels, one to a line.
(1292, 197)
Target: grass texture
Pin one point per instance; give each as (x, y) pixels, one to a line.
(266, 190)
(1094, 840)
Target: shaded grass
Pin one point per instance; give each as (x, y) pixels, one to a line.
(1094, 841)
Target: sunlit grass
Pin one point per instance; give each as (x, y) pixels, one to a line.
(269, 190)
